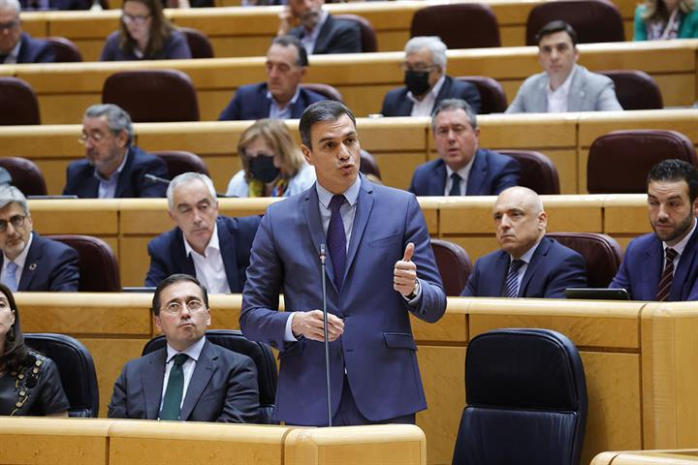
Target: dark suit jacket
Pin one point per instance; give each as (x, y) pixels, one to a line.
(377, 347)
(235, 235)
(81, 181)
(553, 268)
(396, 102)
(223, 388)
(251, 103)
(59, 5)
(490, 174)
(336, 36)
(50, 266)
(175, 47)
(35, 50)
(643, 264)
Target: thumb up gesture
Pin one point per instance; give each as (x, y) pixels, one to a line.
(405, 273)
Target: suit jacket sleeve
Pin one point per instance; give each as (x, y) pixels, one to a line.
(570, 273)
(607, 100)
(158, 269)
(110, 47)
(347, 39)
(232, 111)
(176, 47)
(242, 394)
(517, 105)
(65, 276)
(622, 278)
(117, 405)
(471, 95)
(471, 286)
(46, 54)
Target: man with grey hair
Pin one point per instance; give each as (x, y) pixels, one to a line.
(30, 262)
(426, 82)
(113, 167)
(528, 264)
(17, 46)
(212, 247)
(462, 167)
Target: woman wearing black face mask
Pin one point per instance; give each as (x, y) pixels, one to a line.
(272, 164)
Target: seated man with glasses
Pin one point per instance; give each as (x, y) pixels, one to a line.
(426, 83)
(30, 262)
(17, 46)
(113, 167)
(191, 379)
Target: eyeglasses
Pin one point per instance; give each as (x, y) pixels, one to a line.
(419, 67)
(193, 306)
(9, 26)
(16, 220)
(134, 19)
(96, 137)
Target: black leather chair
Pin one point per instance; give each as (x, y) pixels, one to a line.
(369, 165)
(454, 265)
(26, 176)
(369, 40)
(593, 20)
(179, 162)
(18, 102)
(601, 253)
(538, 172)
(492, 96)
(259, 352)
(198, 43)
(325, 90)
(526, 400)
(99, 269)
(460, 25)
(76, 367)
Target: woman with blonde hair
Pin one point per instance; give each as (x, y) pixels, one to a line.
(666, 19)
(272, 164)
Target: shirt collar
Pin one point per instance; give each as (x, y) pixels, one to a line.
(351, 194)
(463, 172)
(316, 31)
(293, 100)
(434, 90)
(193, 351)
(14, 53)
(21, 259)
(212, 243)
(99, 176)
(679, 248)
(565, 87)
(526, 258)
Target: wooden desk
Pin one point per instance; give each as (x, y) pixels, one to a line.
(648, 457)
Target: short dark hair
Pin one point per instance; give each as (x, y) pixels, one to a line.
(675, 170)
(169, 281)
(556, 26)
(293, 41)
(452, 104)
(318, 112)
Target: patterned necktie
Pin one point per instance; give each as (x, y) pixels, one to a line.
(175, 387)
(511, 285)
(337, 240)
(455, 185)
(11, 276)
(664, 288)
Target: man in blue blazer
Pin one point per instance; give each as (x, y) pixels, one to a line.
(426, 82)
(30, 262)
(17, 46)
(463, 168)
(528, 264)
(215, 249)
(663, 265)
(113, 168)
(379, 270)
(281, 96)
(191, 379)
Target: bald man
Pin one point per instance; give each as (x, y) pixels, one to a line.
(528, 264)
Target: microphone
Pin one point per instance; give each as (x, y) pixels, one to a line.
(153, 178)
(323, 256)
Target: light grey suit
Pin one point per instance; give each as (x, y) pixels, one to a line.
(588, 92)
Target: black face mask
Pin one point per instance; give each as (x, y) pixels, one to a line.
(262, 168)
(417, 82)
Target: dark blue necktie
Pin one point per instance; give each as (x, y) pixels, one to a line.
(455, 185)
(337, 240)
(511, 285)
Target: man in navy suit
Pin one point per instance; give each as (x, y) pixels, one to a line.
(529, 264)
(17, 46)
(380, 270)
(663, 265)
(318, 31)
(463, 168)
(191, 379)
(426, 82)
(114, 168)
(215, 249)
(30, 262)
(281, 96)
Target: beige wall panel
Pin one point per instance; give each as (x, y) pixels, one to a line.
(476, 246)
(200, 138)
(565, 162)
(134, 260)
(66, 108)
(76, 217)
(675, 88)
(512, 36)
(471, 214)
(90, 49)
(390, 41)
(54, 174)
(595, 125)
(84, 24)
(626, 215)
(529, 132)
(397, 169)
(237, 46)
(451, 328)
(212, 103)
(585, 216)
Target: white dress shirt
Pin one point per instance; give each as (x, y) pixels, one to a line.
(464, 173)
(426, 105)
(107, 186)
(557, 99)
(194, 352)
(210, 270)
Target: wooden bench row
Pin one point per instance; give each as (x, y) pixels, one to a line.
(639, 358)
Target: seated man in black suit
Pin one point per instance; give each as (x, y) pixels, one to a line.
(17, 46)
(191, 379)
(30, 262)
(426, 82)
(114, 168)
(319, 32)
(281, 96)
(463, 168)
(212, 247)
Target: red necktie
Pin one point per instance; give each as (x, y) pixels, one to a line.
(664, 288)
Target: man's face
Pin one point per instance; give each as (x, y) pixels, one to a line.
(195, 212)
(336, 153)
(422, 60)
(517, 220)
(456, 140)
(104, 150)
(283, 74)
(187, 318)
(671, 211)
(306, 11)
(557, 55)
(15, 238)
(10, 29)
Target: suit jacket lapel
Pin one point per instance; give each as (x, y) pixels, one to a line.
(181, 257)
(495, 283)
(654, 258)
(576, 94)
(437, 182)
(540, 98)
(324, 35)
(538, 256)
(477, 175)
(444, 92)
(317, 233)
(363, 212)
(152, 380)
(31, 264)
(686, 264)
(123, 175)
(228, 253)
(204, 369)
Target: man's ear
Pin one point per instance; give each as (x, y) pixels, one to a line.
(156, 320)
(542, 220)
(306, 154)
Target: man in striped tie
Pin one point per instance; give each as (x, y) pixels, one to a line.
(663, 265)
(528, 264)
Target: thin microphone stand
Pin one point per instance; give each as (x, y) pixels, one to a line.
(323, 256)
